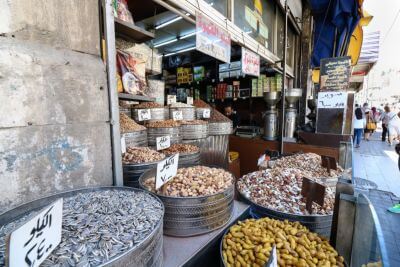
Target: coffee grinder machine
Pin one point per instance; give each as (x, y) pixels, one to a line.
(271, 116)
(291, 96)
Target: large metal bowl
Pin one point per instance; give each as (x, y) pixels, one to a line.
(148, 253)
(189, 216)
(132, 172)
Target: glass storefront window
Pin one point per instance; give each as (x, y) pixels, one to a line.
(291, 45)
(257, 18)
(220, 5)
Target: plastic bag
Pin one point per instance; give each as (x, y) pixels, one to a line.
(132, 72)
(122, 11)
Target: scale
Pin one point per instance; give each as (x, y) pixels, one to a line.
(271, 116)
(292, 96)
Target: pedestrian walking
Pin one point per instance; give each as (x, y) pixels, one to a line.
(370, 125)
(358, 125)
(393, 121)
(385, 121)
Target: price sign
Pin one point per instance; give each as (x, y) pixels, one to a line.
(144, 114)
(261, 159)
(166, 170)
(189, 100)
(163, 142)
(177, 115)
(33, 242)
(171, 99)
(206, 114)
(123, 145)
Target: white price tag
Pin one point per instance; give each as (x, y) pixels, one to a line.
(166, 170)
(171, 99)
(163, 142)
(261, 160)
(123, 145)
(189, 100)
(206, 114)
(144, 114)
(34, 241)
(177, 115)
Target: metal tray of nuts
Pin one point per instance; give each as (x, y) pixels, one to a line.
(156, 114)
(173, 132)
(133, 171)
(138, 251)
(190, 216)
(220, 128)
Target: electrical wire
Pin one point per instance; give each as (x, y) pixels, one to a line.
(391, 26)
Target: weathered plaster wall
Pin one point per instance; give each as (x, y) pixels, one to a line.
(54, 119)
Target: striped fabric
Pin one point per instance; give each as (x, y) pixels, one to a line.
(370, 48)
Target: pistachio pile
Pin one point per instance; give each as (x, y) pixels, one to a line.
(194, 122)
(280, 189)
(249, 243)
(128, 125)
(148, 105)
(163, 124)
(138, 155)
(180, 148)
(180, 105)
(193, 182)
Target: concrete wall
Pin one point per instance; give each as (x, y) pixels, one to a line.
(54, 119)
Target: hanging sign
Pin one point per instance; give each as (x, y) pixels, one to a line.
(250, 62)
(177, 115)
(335, 73)
(189, 100)
(206, 113)
(332, 99)
(34, 241)
(163, 142)
(211, 39)
(123, 145)
(144, 114)
(171, 99)
(166, 170)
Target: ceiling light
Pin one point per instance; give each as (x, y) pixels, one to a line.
(165, 43)
(187, 35)
(180, 51)
(162, 25)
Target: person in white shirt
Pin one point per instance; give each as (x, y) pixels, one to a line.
(393, 122)
(358, 124)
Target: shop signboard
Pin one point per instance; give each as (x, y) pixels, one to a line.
(198, 73)
(250, 63)
(335, 74)
(211, 39)
(34, 241)
(166, 170)
(184, 75)
(144, 114)
(163, 142)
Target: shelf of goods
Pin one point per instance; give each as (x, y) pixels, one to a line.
(132, 32)
(276, 192)
(163, 128)
(197, 200)
(86, 213)
(189, 155)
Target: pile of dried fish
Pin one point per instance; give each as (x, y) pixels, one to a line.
(138, 155)
(280, 189)
(181, 148)
(128, 125)
(163, 124)
(98, 226)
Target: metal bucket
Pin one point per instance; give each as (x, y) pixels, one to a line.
(173, 132)
(126, 111)
(189, 159)
(220, 128)
(188, 113)
(136, 139)
(216, 151)
(190, 216)
(320, 224)
(194, 131)
(132, 172)
(157, 114)
(148, 253)
(200, 112)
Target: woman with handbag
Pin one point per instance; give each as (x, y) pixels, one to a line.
(393, 121)
(358, 125)
(370, 126)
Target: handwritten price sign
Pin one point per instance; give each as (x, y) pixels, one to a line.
(206, 114)
(144, 114)
(163, 142)
(166, 170)
(177, 115)
(189, 100)
(332, 99)
(250, 63)
(33, 242)
(171, 99)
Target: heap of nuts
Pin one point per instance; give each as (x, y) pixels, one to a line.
(198, 103)
(280, 189)
(309, 164)
(163, 124)
(180, 105)
(181, 148)
(194, 122)
(128, 125)
(217, 116)
(148, 105)
(193, 182)
(250, 243)
(138, 155)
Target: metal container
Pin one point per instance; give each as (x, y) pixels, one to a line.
(270, 125)
(173, 132)
(126, 111)
(194, 131)
(188, 113)
(290, 122)
(320, 224)
(189, 159)
(216, 151)
(220, 128)
(200, 112)
(189, 216)
(157, 114)
(132, 172)
(148, 253)
(136, 139)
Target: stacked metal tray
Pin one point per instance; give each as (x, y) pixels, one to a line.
(190, 216)
(189, 159)
(132, 172)
(173, 132)
(136, 139)
(200, 112)
(194, 131)
(220, 128)
(157, 114)
(188, 113)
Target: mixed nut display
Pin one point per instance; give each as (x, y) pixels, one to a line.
(181, 149)
(128, 125)
(193, 182)
(163, 124)
(136, 155)
(249, 243)
(146, 105)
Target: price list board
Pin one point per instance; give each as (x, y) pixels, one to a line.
(335, 74)
(331, 112)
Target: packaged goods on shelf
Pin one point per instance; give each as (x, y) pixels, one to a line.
(132, 72)
(121, 10)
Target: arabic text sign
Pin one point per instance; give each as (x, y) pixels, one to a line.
(166, 170)
(332, 100)
(335, 73)
(250, 62)
(212, 39)
(177, 115)
(123, 145)
(33, 242)
(163, 142)
(171, 99)
(144, 114)
(206, 113)
(189, 100)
